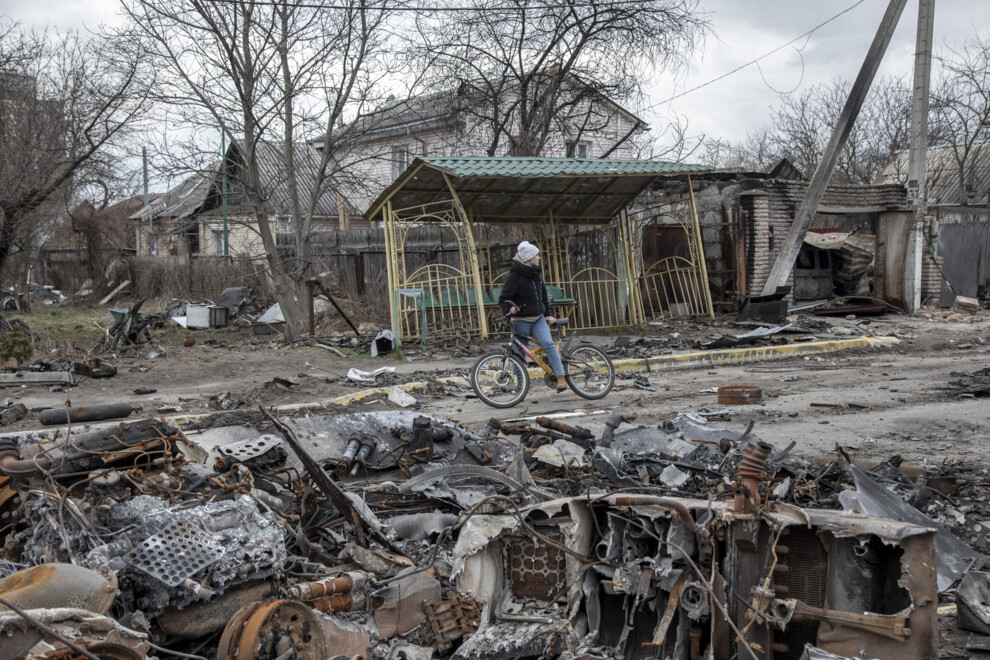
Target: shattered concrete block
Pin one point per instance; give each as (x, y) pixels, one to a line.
(966, 304)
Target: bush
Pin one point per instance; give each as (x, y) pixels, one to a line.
(16, 345)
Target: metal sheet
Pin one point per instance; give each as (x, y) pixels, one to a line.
(955, 557)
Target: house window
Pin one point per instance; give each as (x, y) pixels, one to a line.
(578, 149)
(400, 160)
(216, 239)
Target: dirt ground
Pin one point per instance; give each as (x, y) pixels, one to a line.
(874, 402)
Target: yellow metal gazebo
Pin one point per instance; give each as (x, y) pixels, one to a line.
(577, 210)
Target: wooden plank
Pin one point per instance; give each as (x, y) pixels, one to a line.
(113, 293)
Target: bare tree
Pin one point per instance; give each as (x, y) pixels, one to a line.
(67, 103)
(270, 76)
(803, 122)
(960, 103)
(525, 71)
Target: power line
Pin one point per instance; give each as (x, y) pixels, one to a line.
(441, 9)
(761, 57)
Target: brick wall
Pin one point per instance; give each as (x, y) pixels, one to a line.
(931, 277)
(886, 195)
(772, 218)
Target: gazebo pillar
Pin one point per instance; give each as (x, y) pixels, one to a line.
(472, 253)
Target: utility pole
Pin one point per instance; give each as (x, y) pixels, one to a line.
(918, 155)
(781, 269)
(223, 191)
(151, 218)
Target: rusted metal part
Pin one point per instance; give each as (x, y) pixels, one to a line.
(575, 432)
(200, 619)
(338, 603)
(660, 633)
(893, 626)
(751, 472)
(53, 416)
(323, 588)
(694, 635)
(258, 629)
(451, 619)
(536, 570)
(737, 395)
(60, 585)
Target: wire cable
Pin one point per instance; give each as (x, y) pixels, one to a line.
(587, 4)
(761, 57)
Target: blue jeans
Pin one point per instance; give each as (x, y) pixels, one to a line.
(540, 331)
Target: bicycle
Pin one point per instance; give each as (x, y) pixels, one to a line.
(501, 379)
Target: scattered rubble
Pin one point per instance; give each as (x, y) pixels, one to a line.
(395, 534)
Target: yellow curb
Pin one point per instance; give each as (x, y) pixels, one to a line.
(729, 356)
(683, 360)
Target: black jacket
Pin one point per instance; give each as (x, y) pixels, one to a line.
(524, 286)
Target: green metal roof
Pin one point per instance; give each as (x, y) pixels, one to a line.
(531, 168)
(500, 189)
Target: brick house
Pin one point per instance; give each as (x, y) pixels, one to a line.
(744, 217)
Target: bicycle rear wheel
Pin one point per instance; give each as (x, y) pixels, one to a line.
(500, 380)
(589, 372)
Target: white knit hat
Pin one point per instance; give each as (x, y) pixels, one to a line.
(527, 251)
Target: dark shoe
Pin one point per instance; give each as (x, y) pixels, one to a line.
(561, 383)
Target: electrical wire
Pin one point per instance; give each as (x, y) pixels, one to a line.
(587, 4)
(756, 60)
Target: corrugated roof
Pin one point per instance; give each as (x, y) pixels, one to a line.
(532, 168)
(275, 181)
(508, 188)
(425, 108)
(183, 200)
(944, 186)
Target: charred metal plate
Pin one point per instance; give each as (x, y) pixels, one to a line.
(175, 553)
(536, 570)
(248, 449)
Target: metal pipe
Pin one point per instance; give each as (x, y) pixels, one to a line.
(13, 466)
(323, 588)
(652, 500)
(201, 592)
(55, 416)
(339, 603)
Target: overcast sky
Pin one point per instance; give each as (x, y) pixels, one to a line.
(746, 29)
(742, 30)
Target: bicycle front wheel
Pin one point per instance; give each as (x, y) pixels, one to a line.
(589, 372)
(500, 380)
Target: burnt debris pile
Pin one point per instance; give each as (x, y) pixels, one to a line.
(397, 535)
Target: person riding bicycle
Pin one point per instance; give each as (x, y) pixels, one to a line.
(524, 286)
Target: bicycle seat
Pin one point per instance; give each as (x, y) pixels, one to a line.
(562, 321)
